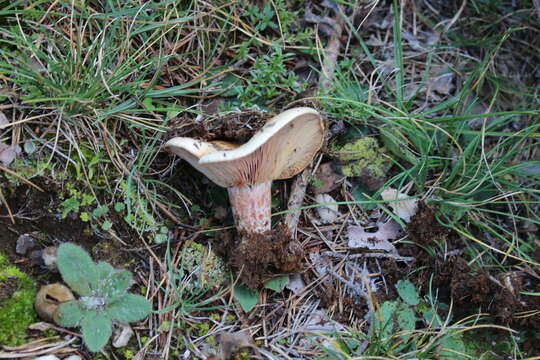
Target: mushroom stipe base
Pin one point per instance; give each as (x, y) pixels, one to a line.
(258, 257)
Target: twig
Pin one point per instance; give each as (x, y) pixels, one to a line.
(28, 182)
(4, 201)
(332, 52)
(298, 191)
(369, 255)
(28, 354)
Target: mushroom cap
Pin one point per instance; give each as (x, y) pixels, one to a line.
(282, 148)
(49, 298)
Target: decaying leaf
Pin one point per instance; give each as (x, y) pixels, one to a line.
(8, 153)
(329, 212)
(319, 322)
(3, 119)
(326, 179)
(296, 284)
(405, 209)
(441, 83)
(230, 343)
(320, 263)
(122, 334)
(379, 240)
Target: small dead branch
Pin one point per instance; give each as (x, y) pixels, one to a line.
(29, 351)
(369, 255)
(298, 191)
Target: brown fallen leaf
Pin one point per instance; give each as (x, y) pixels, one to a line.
(326, 179)
(230, 343)
(378, 240)
(405, 209)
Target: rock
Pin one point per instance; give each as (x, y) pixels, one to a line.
(49, 257)
(46, 357)
(122, 334)
(73, 357)
(24, 243)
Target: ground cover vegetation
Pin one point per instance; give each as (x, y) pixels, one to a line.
(420, 219)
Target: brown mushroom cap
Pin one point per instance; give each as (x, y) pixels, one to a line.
(49, 298)
(282, 148)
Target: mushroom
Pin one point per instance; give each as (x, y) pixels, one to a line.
(282, 148)
(49, 298)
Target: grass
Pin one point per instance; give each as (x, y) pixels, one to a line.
(98, 86)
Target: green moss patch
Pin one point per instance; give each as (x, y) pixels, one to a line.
(363, 154)
(17, 293)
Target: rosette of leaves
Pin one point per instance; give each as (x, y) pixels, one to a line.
(104, 296)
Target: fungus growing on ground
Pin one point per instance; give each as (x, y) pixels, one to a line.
(282, 148)
(49, 298)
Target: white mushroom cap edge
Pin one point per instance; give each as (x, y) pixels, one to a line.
(282, 148)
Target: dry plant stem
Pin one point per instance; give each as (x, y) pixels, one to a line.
(251, 207)
(298, 191)
(331, 53)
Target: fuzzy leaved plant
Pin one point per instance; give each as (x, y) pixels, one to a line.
(103, 296)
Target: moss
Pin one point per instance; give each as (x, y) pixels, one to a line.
(128, 354)
(208, 268)
(17, 306)
(363, 154)
(202, 328)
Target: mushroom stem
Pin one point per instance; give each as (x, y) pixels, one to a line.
(251, 207)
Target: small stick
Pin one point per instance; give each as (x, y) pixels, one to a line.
(3, 200)
(370, 255)
(298, 191)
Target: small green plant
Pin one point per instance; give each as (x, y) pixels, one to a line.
(248, 298)
(268, 79)
(104, 296)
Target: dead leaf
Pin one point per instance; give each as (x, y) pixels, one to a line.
(329, 212)
(3, 119)
(318, 321)
(359, 238)
(326, 179)
(442, 84)
(405, 209)
(7, 154)
(296, 284)
(231, 343)
(122, 334)
(320, 263)
(41, 326)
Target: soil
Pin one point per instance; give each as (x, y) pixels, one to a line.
(496, 292)
(257, 257)
(236, 127)
(41, 220)
(7, 288)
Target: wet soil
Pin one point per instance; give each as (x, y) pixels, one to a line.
(256, 257)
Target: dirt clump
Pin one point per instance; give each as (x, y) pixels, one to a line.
(236, 127)
(258, 256)
(424, 227)
(7, 288)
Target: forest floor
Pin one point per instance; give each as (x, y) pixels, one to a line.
(418, 230)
